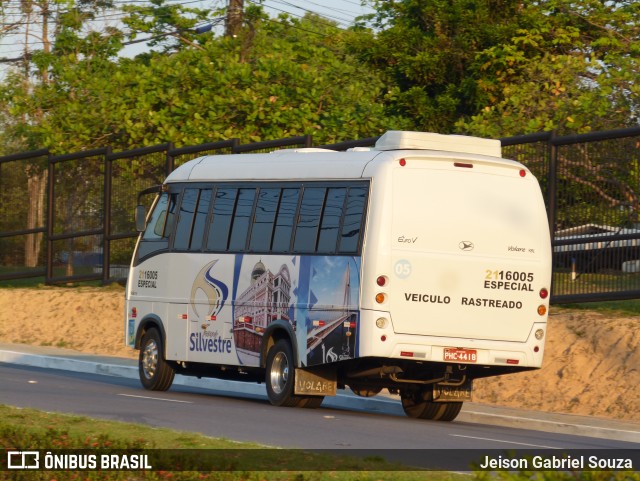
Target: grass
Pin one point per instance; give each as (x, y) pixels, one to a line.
(630, 307)
(594, 282)
(28, 429)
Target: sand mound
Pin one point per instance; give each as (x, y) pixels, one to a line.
(591, 367)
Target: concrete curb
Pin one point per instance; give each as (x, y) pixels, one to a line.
(51, 358)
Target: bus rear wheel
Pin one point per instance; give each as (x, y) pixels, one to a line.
(280, 379)
(155, 373)
(418, 404)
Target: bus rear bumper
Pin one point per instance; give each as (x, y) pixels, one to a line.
(383, 342)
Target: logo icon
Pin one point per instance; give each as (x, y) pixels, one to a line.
(215, 291)
(466, 245)
(23, 459)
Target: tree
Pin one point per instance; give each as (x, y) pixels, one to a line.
(275, 79)
(427, 50)
(502, 67)
(575, 68)
(28, 90)
(170, 26)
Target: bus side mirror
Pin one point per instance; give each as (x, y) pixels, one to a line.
(141, 216)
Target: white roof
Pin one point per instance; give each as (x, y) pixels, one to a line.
(296, 164)
(275, 166)
(396, 140)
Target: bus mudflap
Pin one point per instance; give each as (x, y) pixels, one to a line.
(445, 392)
(316, 382)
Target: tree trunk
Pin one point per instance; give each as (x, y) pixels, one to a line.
(234, 17)
(36, 188)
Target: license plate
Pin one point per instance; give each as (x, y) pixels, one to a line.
(452, 393)
(460, 355)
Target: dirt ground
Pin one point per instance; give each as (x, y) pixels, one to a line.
(591, 366)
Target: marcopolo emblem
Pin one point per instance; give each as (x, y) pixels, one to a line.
(466, 245)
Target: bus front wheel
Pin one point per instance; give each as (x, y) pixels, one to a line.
(155, 373)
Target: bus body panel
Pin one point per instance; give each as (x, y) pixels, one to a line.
(466, 251)
(216, 307)
(470, 263)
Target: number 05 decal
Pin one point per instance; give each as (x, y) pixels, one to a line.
(402, 269)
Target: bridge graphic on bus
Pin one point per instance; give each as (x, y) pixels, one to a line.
(331, 333)
(329, 317)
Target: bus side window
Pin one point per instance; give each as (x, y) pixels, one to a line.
(185, 220)
(193, 214)
(242, 220)
(334, 205)
(284, 220)
(223, 207)
(352, 224)
(309, 220)
(160, 224)
(264, 220)
(155, 226)
(156, 236)
(197, 237)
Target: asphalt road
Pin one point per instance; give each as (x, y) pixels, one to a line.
(249, 417)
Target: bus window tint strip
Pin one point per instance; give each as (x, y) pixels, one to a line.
(309, 218)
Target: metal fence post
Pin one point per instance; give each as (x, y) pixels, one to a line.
(50, 218)
(169, 159)
(106, 218)
(552, 183)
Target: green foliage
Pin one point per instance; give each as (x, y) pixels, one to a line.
(28, 429)
(171, 26)
(485, 67)
(504, 67)
(427, 52)
(278, 79)
(572, 67)
(557, 476)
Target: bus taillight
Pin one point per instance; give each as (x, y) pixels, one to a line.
(465, 165)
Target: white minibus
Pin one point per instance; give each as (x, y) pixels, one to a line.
(415, 266)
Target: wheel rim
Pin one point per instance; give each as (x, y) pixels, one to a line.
(279, 374)
(150, 359)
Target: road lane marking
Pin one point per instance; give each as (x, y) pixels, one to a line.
(156, 398)
(504, 441)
